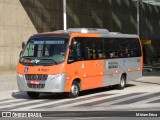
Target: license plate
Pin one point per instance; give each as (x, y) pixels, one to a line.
(35, 82)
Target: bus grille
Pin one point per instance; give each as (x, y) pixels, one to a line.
(41, 78)
(36, 77)
(36, 86)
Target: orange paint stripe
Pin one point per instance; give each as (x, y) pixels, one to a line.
(109, 73)
(130, 70)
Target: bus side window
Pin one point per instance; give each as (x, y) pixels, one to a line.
(74, 52)
(107, 54)
(91, 48)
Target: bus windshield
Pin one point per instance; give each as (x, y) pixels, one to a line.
(44, 51)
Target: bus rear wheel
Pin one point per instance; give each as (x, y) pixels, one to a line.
(122, 83)
(75, 89)
(33, 95)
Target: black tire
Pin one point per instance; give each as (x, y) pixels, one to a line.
(33, 95)
(122, 83)
(75, 89)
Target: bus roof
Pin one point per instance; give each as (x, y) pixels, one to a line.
(101, 32)
(119, 35)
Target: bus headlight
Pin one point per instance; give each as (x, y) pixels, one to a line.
(56, 76)
(19, 75)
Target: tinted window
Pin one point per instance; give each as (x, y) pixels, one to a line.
(122, 47)
(90, 48)
(105, 48)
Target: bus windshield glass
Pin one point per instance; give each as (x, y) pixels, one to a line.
(47, 51)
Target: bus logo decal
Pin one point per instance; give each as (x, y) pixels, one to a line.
(26, 69)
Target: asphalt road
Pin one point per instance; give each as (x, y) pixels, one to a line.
(142, 95)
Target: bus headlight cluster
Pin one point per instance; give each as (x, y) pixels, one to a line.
(19, 75)
(56, 76)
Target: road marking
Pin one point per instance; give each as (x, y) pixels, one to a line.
(140, 99)
(91, 101)
(56, 102)
(120, 100)
(146, 100)
(74, 101)
(2, 100)
(15, 104)
(98, 102)
(11, 100)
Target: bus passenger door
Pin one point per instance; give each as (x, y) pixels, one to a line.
(75, 67)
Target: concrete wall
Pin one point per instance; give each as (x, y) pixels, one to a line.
(119, 16)
(46, 15)
(19, 19)
(114, 15)
(149, 30)
(15, 27)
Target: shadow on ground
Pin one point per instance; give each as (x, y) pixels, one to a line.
(23, 95)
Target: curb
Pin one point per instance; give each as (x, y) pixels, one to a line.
(151, 68)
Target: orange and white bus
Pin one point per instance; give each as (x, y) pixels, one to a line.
(78, 59)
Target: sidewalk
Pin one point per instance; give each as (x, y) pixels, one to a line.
(8, 80)
(153, 67)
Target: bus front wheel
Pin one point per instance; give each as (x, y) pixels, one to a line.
(122, 83)
(33, 95)
(74, 91)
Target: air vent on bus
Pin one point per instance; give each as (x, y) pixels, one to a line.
(36, 77)
(88, 30)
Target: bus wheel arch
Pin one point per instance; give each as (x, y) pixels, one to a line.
(122, 81)
(75, 88)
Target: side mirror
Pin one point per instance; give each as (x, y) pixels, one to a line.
(23, 45)
(20, 54)
(71, 59)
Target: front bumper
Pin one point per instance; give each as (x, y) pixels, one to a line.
(53, 83)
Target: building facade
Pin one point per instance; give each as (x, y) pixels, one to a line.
(19, 19)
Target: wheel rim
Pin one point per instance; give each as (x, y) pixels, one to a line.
(122, 82)
(74, 89)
